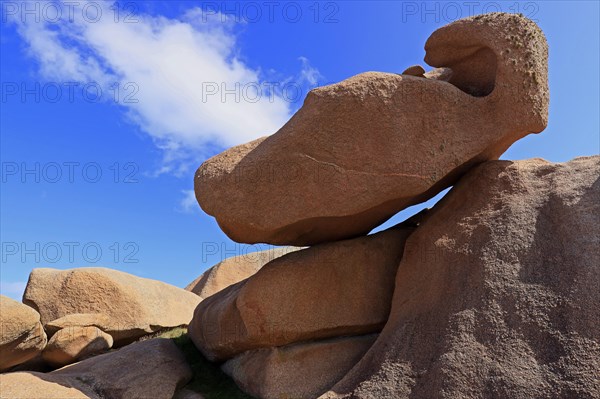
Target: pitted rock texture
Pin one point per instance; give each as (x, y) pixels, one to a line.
(497, 292)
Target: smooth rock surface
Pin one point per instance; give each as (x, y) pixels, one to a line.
(75, 343)
(136, 306)
(233, 270)
(100, 320)
(497, 293)
(342, 288)
(414, 70)
(22, 336)
(359, 151)
(34, 385)
(149, 369)
(188, 394)
(303, 370)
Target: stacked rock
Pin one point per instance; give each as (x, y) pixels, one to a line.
(355, 154)
(307, 316)
(124, 306)
(233, 270)
(73, 318)
(69, 315)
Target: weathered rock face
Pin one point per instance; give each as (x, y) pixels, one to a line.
(497, 292)
(341, 288)
(317, 178)
(22, 336)
(150, 369)
(74, 343)
(303, 370)
(136, 306)
(233, 270)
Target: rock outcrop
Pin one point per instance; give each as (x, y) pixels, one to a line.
(233, 270)
(361, 150)
(75, 343)
(303, 370)
(22, 336)
(497, 292)
(149, 369)
(494, 293)
(136, 306)
(335, 289)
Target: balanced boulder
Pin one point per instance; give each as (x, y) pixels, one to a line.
(136, 306)
(22, 335)
(233, 270)
(74, 343)
(149, 369)
(359, 151)
(303, 370)
(334, 289)
(497, 292)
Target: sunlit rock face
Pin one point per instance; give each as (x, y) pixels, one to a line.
(497, 292)
(361, 150)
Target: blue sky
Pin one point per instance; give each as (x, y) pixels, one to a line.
(107, 110)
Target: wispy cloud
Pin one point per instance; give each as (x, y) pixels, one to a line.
(308, 73)
(188, 202)
(176, 72)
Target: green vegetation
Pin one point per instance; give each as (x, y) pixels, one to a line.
(208, 378)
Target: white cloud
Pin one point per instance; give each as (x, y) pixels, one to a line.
(13, 290)
(308, 73)
(178, 68)
(188, 203)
